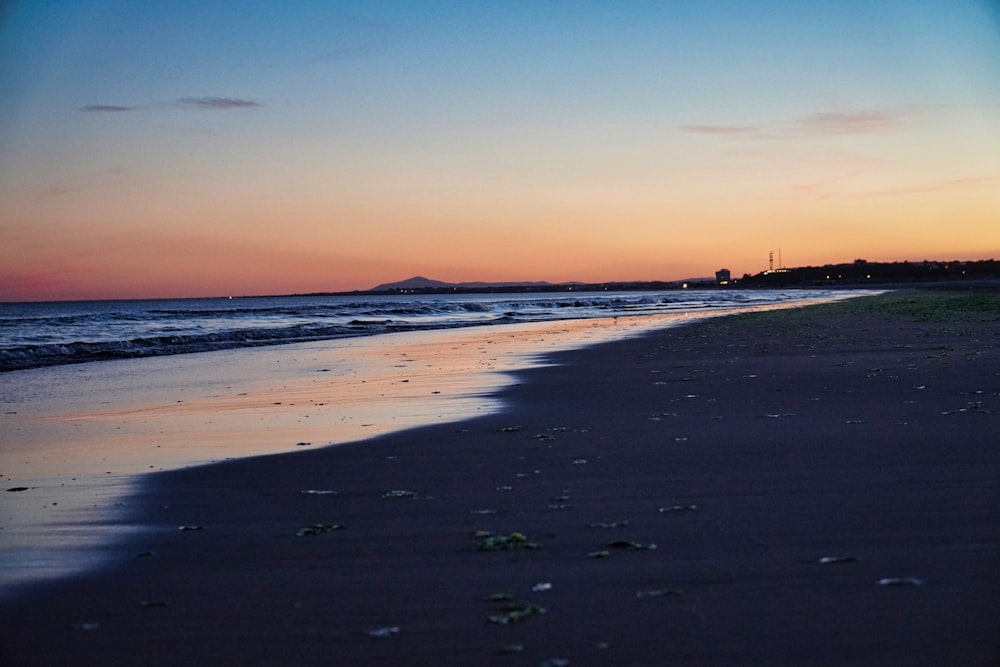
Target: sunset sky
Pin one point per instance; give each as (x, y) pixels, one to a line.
(155, 149)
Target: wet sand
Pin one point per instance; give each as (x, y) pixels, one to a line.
(79, 438)
(821, 487)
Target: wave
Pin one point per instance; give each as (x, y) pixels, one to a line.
(53, 334)
(54, 354)
(411, 308)
(35, 356)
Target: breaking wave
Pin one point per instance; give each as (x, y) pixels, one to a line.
(48, 334)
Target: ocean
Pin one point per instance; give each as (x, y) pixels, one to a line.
(95, 396)
(35, 335)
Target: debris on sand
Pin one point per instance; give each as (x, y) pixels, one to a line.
(629, 545)
(659, 593)
(400, 493)
(516, 612)
(900, 581)
(490, 542)
(383, 633)
(318, 529)
(836, 560)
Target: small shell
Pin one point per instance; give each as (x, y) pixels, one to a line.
(900, 581)
(382, 633)
(87, 626)
(659, 593)
(679, 508)
(836, 560)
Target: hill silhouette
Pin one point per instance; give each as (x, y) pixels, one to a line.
(420, 283)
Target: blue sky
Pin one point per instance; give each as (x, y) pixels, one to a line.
(272, 146)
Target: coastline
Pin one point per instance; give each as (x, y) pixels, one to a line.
(76, 455)
(747, 448)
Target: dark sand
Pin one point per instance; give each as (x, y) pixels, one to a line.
(746, 448)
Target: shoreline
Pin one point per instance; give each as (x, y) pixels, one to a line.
(741, 446)
(76, 455)
(72, 333)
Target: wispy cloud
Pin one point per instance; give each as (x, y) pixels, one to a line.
(218, 103)
(81, 182)
(969, 183)
(210, 103)
(725, 130)
(106, 108)
(819, 124)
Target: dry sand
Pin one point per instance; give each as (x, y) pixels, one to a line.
(749, 450)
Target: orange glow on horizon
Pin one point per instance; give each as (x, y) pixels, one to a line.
(472, 145)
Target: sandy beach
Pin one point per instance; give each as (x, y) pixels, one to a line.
(817, 486)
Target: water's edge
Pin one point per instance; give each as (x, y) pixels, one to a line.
(75, 522)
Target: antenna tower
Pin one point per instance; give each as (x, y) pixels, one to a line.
(770, 261)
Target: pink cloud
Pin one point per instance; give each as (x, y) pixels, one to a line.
(33, 286)
(849, 122)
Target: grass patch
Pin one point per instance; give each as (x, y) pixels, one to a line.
(931, 305)
(912, 305)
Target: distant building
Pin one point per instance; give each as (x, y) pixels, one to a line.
(723, 277)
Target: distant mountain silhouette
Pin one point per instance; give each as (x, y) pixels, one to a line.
(416, 282)
(422, 283)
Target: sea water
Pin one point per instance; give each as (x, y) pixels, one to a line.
(34, 335)
(104, 392)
